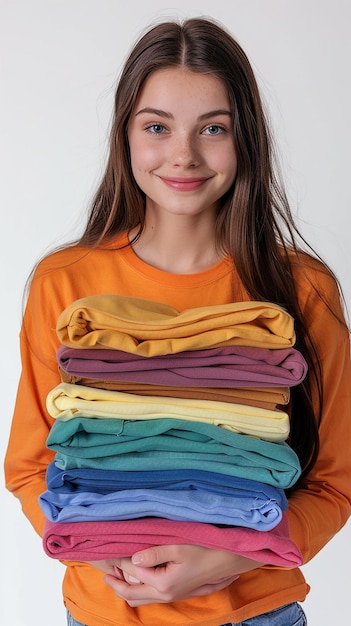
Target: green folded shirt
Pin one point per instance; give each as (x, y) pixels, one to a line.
(170, 444)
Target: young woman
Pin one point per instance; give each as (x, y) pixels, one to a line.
(190, 213)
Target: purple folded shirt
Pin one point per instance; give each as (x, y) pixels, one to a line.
(93, 541)
(229, 366)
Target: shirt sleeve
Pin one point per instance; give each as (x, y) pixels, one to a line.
(27, 456)
(320, 507)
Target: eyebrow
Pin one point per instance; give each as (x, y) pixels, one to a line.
(167, 115)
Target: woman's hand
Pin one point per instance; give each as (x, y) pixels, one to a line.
(108, 566)
(170, 573)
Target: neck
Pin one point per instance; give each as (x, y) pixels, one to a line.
(179, 244)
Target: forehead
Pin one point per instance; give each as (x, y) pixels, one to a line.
(173, 84)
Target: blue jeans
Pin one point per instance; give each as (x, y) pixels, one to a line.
(72, 622)
(288, 615)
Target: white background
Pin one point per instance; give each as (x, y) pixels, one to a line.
(60, 60)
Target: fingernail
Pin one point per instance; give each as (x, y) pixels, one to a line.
(137, 559)
(131, 579)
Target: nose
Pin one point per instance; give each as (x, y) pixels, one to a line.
(184, 151)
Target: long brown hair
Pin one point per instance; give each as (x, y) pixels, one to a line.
(254, 224)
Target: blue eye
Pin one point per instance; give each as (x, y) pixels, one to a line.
(155, 129)
(214, 129)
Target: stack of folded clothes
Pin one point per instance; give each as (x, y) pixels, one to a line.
(169, 429)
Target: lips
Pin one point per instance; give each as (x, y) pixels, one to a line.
(184, 184)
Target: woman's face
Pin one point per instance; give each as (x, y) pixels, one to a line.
(181, 142)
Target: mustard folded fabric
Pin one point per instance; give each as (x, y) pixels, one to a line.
(68, 401)
(265, 397)
(151, 328)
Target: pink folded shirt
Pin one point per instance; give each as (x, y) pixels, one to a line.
(92, 541)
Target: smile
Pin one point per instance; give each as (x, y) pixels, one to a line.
(184, 184)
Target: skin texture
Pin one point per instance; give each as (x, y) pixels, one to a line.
(169, 573)
(183, 158)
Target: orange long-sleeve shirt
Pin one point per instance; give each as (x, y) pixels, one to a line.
(317, 510)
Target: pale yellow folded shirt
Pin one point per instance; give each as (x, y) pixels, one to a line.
(67, 401)
(151, 328)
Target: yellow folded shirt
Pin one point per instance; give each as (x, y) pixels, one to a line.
(67, 401)
(151, 328)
